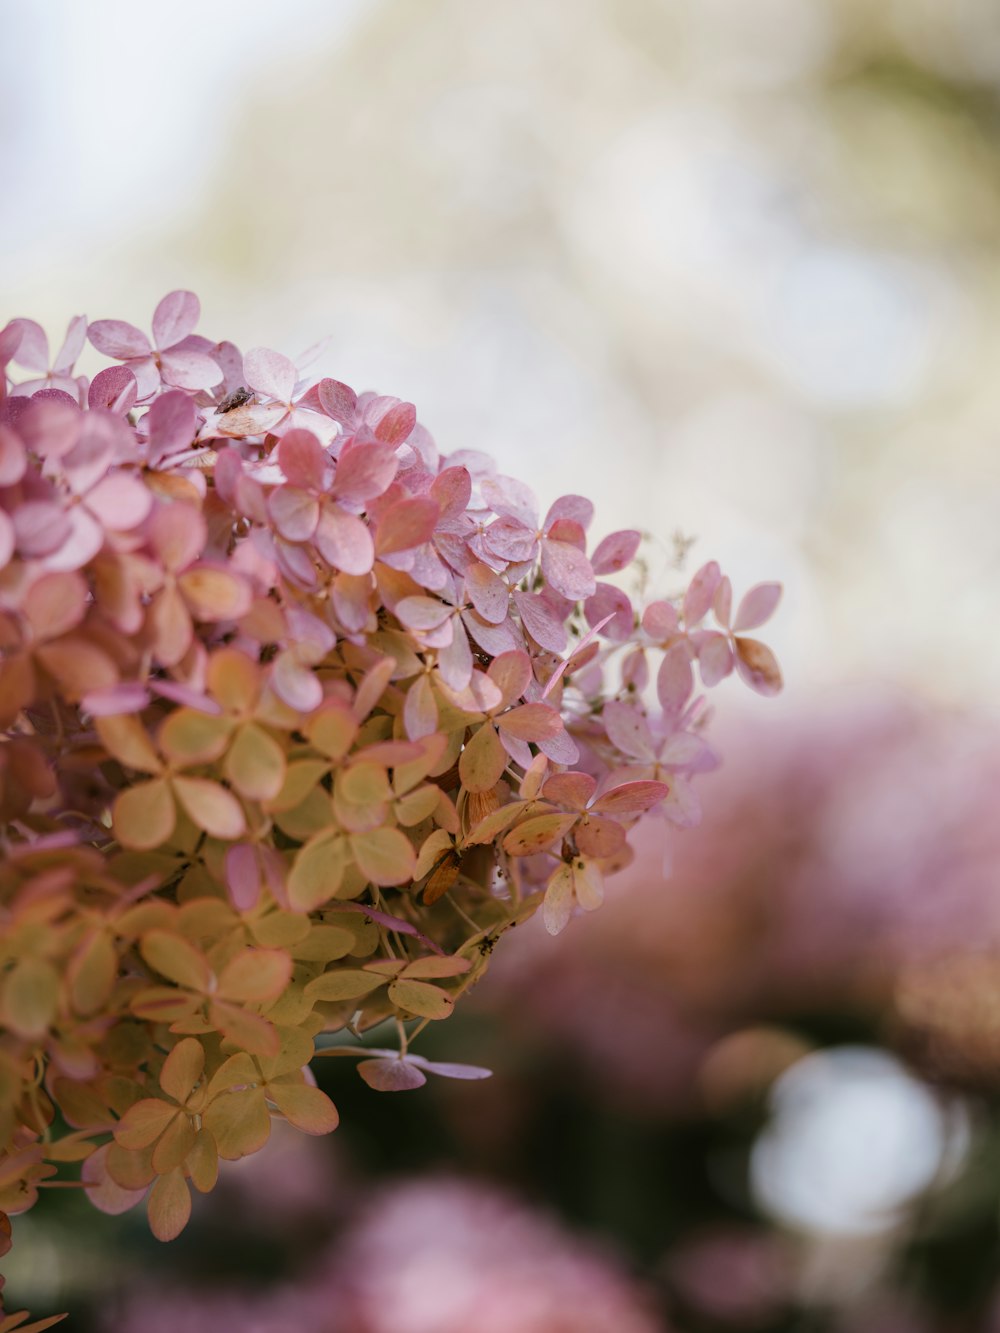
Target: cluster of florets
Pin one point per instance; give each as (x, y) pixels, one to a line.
(297, 717)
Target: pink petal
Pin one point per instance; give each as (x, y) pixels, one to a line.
(294, 513)
(576, 508)
(570, 789)
(178, 534)
(510, 673)
(493, 639)
(394, 1075)
(73, 344)
(50, 428)
(117, 339)
(242, 872)
(532, 722)
(55, 604)
(174, 318)
(121, 502)
(455, 659)
(171, 425)
(560, 748)
(701, 590)
(683, 750)
(13, 459)
(422, 613)
(659, 620)
(296, 564)
(539, 621)
(40, 527)
(189, 370)
(91, 457)
(304, 461)
(446, 1069)
(757, 606)
(179, 693)
(147, 376)
(299, 687)
(567, 570)
(627, 730)
(715, 658)
(32, 347)
(344, 541)
(631, 798)
(365, 471)
(508, 497)
(616, 551)
(7, 539)
(82, 543)
(599, 837)
(269, 373)
(675, 680)
(127, 697)
(452, 489)
(352, 600)
(406, 524)
(114, 388)
(612, 607)
(488, 592)
(338, 401)
(758, 666)
(420, 714)
(396, 425)
(509, 539)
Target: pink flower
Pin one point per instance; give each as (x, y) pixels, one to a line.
(176, 356)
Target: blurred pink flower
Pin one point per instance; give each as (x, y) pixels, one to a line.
(431, 1256)
(447, 1257)
(853, 841)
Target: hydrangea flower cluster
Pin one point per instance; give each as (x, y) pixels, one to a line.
(298, 717)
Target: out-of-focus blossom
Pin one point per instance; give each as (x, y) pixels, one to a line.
(850, 851)
(431, 1256)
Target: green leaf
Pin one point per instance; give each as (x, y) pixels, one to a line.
(169, 1206)
(305, 1107)
(189, 736)
(483, 760)
(177, 959)
(203, 1162)
(92, 972)
(255, 764)
(345, 984)
(537, 833)
(126, 739)
(174, 1145)
(385, 856)
(332, 729)
(318, 870)
(182, 1069)
(557, 906)
(301, 779)
(255, 976)
(143, 1123)
(419, 997)
(238, 1122)
(437, 967)
(144, 816)
(211, 807)
(31, 998)
(248, 1031)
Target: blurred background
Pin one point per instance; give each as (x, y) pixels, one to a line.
(732, 270)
